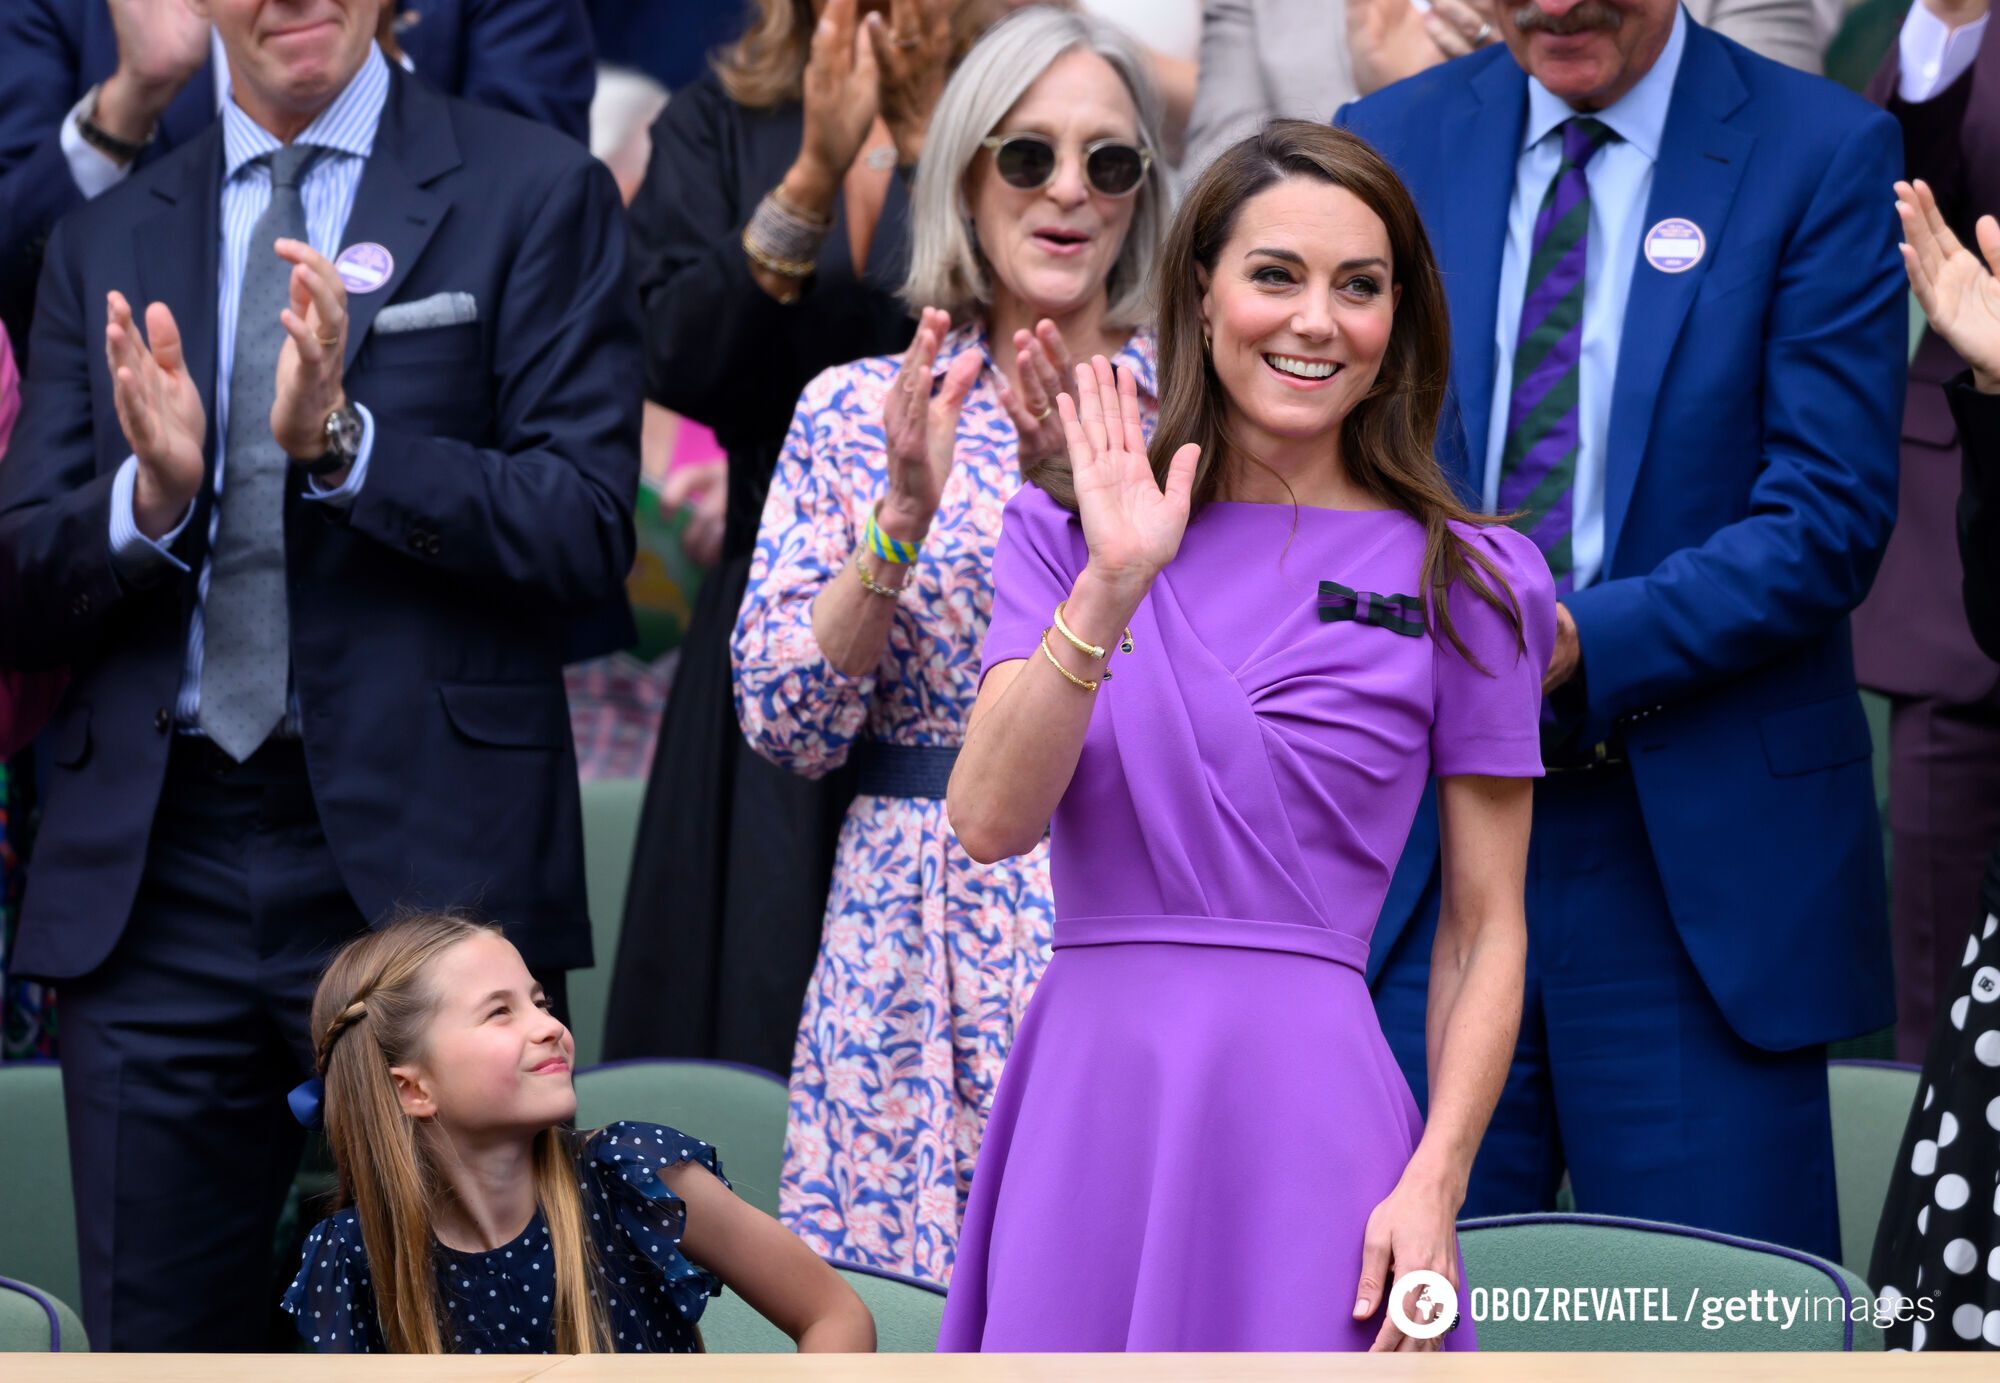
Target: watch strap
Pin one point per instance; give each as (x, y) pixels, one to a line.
(101, 139)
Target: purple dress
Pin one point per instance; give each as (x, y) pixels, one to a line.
(1200, 1110)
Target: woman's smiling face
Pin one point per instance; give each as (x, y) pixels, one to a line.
(1298, 309)
(1051, 248)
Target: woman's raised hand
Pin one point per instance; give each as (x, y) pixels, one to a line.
(1042, 362)
(1960, 295)
(841, 96)
(921, 431)
(1132, 526)
(913, 54)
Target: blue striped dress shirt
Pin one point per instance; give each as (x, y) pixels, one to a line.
(345, 130)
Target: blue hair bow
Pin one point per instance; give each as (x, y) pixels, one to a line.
(306, 1100)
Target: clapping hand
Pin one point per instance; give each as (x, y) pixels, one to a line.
(161, 43)
(312, 360)
(913, 55)
(841, 94)
(160, 410)
(1043, 362)
(1960, 295)
(1132, 527)
(921, 432)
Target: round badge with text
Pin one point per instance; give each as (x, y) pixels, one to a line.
(1675, 245)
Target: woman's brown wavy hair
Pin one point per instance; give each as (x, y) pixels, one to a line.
(1387, 441)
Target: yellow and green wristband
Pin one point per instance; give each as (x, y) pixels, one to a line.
(887, 548)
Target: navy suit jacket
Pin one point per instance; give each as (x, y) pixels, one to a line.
(429, 622)
(1750, 490)
(533, 57)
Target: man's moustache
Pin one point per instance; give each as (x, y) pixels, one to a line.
(1589, 16)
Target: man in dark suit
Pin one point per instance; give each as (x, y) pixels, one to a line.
(1942, 83)
(309, 525)
(1678, 326)
(147, 68)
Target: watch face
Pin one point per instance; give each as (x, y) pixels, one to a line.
(343, 432)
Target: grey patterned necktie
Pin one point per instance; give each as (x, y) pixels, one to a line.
(246, 638)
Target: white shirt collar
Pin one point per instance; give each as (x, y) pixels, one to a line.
(1639, 117)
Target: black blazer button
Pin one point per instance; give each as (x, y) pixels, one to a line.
(416, 540)
(431, 544)
(162, 722)
(81, 605)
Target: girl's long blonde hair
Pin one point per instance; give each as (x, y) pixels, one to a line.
(372, 1010)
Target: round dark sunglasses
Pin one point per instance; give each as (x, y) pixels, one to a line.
(1112, 167)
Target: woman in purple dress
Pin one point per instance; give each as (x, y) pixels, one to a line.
(1201, 1140)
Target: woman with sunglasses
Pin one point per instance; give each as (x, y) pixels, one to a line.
(768, 240)
(1036, 219)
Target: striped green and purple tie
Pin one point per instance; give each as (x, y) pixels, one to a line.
(1538, 463)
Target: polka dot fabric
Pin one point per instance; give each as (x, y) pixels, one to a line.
(1940, 1233)
(499, 1301)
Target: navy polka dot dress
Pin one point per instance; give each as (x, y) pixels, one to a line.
(499, 1301)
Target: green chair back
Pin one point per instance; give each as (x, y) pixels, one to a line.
(1871, 1105)
(37, 1215)
(739, 1110)
(610, 832)
(907, 1314)
(1693, 1275)
(1864, 37)
(33, 1322)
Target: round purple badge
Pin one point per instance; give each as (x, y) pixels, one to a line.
(364, 267)
(1675, 246)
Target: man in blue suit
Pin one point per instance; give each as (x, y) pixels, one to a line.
(148, 69)
(1678, 355)
(332, 431)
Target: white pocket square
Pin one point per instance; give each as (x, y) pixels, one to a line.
(438, 310)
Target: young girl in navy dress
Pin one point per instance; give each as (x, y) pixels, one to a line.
(476, 1222)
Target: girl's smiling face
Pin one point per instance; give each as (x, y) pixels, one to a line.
(494, 1059)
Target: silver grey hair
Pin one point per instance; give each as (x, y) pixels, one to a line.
(946, 267)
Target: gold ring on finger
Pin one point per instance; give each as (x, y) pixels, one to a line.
(908, 43)
(1485, 31)
(329, 342)
(1046, 410)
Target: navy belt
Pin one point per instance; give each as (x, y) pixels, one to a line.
(904, 770)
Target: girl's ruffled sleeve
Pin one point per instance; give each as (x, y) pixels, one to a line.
(796, 708)
(1487, 712)
(331, 1299)
(622, 1164)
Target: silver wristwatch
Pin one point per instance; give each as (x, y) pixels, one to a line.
(343, 442)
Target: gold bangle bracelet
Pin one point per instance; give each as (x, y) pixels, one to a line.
(870, 584)
(784, 268)
(1089, 650)
(1075, 681)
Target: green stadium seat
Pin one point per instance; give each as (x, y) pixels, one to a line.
(1871, 1105)
(739, 1110)
(1509, 1259)
(610, 832)
(33, 1322)
(906, 1311)
(37, 1219)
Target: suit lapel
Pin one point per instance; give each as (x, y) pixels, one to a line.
(1701, 162)
(1471, 220)
(394, 207)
